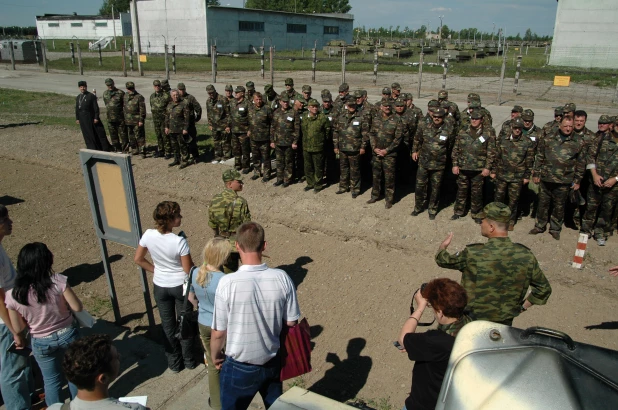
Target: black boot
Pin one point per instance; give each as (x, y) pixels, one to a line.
(175, 162)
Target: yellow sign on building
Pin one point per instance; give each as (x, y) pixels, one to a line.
(562, 81)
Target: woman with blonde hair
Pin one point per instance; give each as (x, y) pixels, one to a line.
(203, 288)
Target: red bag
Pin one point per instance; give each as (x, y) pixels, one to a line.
(295, 350)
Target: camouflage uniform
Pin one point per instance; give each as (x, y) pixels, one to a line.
(331, 166)
(241, 147)
(158, 105)
(284, 133)
(514, 160)
(349, 138)
(195, 110)
(496, 276)
(528, 201)
(404, 161)
(177, 120)
(315, 131)
(559, 162)
(134, 107)
(431, 143)
(260, 119)
(475, 105)
(472, 153)
(451, 108)
(114, 100)
(589, 138)
(602, 200)
(340, 100)
(217, 111)
(386, 133)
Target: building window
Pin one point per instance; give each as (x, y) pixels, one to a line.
(251, 26)
(76, 24)
(53, 24)
(331, 30)
(101, 24)
(297, 28)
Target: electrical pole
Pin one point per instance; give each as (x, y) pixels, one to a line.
(440, 39)
(114, 25)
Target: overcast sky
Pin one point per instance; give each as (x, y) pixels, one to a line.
(515, 16)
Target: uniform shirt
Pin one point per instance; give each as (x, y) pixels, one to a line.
(114, 101)
(349, 135)
(496, 276)
(195, 109)
(134, 108)
(514, 158)
(473, 149)
(260, 120)
(159, 101)
(177, 117)
(239, 115)
(285, 127)
(315, 131)
(227, 212)
(432, 143)
(386, 133)
(560, 159)
(604, 156)
(218, 112)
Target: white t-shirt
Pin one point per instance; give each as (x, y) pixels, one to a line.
(7, 273)
(252, 304)
(105, 404)
(166, 250)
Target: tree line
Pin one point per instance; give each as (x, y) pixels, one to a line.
(465, 34)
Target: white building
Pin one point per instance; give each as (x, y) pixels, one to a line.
(585, 34)
(64, 26)
(193, 27)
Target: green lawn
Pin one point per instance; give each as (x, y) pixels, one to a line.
(63, 45)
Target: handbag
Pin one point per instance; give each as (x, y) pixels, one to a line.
(187, 323)
(295, 350)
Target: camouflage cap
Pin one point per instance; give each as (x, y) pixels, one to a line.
(385, 102)
(229, 87)
(439, 112)
(475, 104)
(165, 83)
(474, 96)
(405, 96)
(528, 115)
(399, 102)
(306, 88)
(605, 119)
(443, 94)
(351, 102)
(327, 97)
(268, 88)
(433, 104)
(231, 175)
(517, 123)
(358, 94)
(313, 103)
(109, 81)
(156, 83)
(569, 107)
(518, 108)
(476, 115)
(239, 89)
(250, 85)
(210, 88)
(497, 211)
(386, 90)
(301, 100)
(614, 119)
(284, 97)
(130, 85)
(289, 81)
(344, 87)
(395, 86)
(364, 93)
(181, 86)
(558, 111)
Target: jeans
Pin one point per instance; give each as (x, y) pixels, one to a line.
(15, 375)
(241, 381)
(48, 352)
(170, 301)
(213, 372)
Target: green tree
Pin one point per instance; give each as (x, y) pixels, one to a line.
(445, 31)
(120, 6)
(528, 35)
(301, 6)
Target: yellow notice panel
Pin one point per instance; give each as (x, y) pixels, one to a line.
(142, 58)
(113, 202)
(562, 81)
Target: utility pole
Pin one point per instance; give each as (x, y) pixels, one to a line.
(139, 42)
(114, 25)
(440, 39)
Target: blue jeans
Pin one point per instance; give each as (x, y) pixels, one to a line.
(48, 352)
(241, 381)
(15, 375)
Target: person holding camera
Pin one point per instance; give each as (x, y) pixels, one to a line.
(431, 350)
(496, 275)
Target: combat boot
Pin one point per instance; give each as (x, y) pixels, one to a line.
(175, 162)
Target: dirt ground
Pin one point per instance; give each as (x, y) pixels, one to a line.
(355, 265)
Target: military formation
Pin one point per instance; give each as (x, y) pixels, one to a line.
(544, 171)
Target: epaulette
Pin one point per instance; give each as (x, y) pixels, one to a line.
(522, 245)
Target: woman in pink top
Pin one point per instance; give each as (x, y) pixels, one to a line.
(43, 301)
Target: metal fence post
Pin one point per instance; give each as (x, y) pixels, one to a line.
(131, 56)
(167, 65)
(124, 61)
(213, 59)
(375, 66)
(313, 64)
(516, 84)
(100, 56)
(79, 59)
(502, 72)
(174, 58)
(44, 53)
(272, 67)
(420, 74)
(262, 61)
(444, 74)
(12, 53)
(72, 46)
(343, 54)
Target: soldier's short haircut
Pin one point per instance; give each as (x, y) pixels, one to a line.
(257, 94)
(174, 91)
(250, 237)
(500, 226)
(581, 113)
(447, 296)
(566, 118)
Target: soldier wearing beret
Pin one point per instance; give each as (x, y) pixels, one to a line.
(218, 113)
(315, 128)
(431, 146)
(87, 116)
(506, 125)
(250, 90)
(134, 117)
(177, 123)
(497, 274)
(159, 101)
(227, 211)
(239, 126)
(114, 100)
(284, 137)
(260, 123)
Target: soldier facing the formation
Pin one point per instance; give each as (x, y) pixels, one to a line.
(114, 100)
(134, 117)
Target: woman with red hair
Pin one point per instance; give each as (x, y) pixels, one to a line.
(432, 349)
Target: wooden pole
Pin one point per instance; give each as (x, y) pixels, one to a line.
(313, 64)
(213, 59)
(375, 66)
(516, 84)
(72, 46)
(272, 66)
(444, 73)
(343, 57)
(12, 53)
(167, 65)
(124, 61)
(420, 74)
(79, 59)
(100, 56)
(174, 58)
(131, 56)
(262, 61)
(44, 52)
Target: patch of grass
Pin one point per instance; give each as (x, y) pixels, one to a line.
(48, 108)
(63, 45)
(98, 306)
(298, 382)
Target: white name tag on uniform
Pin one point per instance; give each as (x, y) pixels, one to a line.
(330, 118)
(481, 139)
(355, 123)
(443, 137)
(533, 138)
(219, 105)
(292, 101)
(241, 109)
(290, 119)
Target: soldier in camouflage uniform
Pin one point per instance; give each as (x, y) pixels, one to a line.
(229, 92)
(196, 115)
(177, 122)
(431, 147)
(239, 115)
(408, 124)
(385, 136)
(559, 166)
(218, 113)
(344, 89)
(529, 196)
(351, 140)
(396, 91)
(306, 91)
(260, 121)
(158, 105)
(134, 107)
(331, 168)
(472, 158)
(475, 105)
(271, 97)
(450, 107)
(290, 91)
(569, 110)
(580, 129)
(250, 90)
(285, 132)
(512, 168)
(227, 211)
(498, 273)
(505, 129)
(552, 126)
(114, 100)
(603, 187)
(315, 128)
